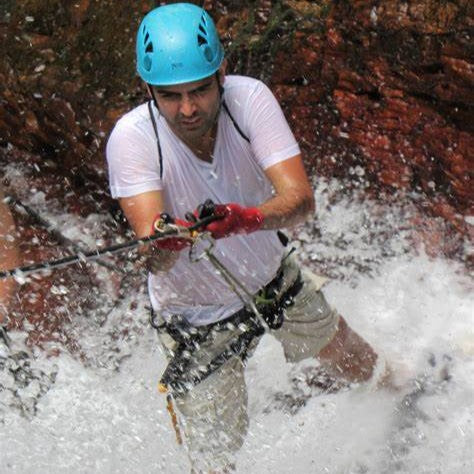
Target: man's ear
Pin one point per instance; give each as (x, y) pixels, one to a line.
(221, 72)
(150, 92)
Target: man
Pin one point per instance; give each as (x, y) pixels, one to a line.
(8, 258)
(205, 135)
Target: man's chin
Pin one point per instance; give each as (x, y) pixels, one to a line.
(194, 132)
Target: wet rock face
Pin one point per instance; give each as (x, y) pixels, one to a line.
(403, 91)
(384, 90)
(67, 75)
(379, 91)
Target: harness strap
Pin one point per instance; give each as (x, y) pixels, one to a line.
(179, 379)
(273, 311)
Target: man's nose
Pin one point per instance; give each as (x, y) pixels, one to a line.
(187, 106)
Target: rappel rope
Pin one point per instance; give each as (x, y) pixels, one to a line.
(55, 232)
(164, 231)
(234, 283)
(169, 230)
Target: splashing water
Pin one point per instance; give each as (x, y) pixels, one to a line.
(104, 414)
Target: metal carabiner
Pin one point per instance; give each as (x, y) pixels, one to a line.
(197, 239)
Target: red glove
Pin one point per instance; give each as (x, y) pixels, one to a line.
(236, 220)
(172, 243)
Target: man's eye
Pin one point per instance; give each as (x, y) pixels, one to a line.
(169, 96)
(202, 91)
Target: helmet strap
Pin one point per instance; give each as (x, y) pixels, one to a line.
(153, 97)
(219, 85)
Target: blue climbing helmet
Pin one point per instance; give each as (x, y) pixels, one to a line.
(177, 43)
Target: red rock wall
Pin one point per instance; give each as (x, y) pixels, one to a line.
(381, 91)
(384, 89)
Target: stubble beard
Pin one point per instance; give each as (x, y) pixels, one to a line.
(193, 135)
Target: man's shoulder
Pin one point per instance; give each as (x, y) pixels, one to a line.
(134, 118)
(241, 84)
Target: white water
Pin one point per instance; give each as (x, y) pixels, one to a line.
(108, 417)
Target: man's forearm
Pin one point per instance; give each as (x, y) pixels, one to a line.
(287, 210)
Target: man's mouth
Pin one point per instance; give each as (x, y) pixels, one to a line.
(191, 123)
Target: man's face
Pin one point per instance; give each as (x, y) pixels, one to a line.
(191, 108)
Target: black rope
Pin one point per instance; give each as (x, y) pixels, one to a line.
(82, 257)
(54, 232)
(236, 125)
(155, 128)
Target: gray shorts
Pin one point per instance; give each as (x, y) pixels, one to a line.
(214, 413)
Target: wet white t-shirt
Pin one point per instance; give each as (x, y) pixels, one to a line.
(236, 174)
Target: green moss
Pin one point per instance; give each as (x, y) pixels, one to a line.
(253, 48)
(252, 51)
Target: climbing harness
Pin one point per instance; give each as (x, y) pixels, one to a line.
(261, 312)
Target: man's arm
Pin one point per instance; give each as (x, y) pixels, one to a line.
(9, 257)
(141, 211)
(294, 198)
(293, 202)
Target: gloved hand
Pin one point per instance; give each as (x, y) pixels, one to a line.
(235, 220)
(172, 243)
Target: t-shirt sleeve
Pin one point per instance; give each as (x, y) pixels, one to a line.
(270, 136)
(132, 162)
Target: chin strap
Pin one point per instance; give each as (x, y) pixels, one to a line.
(155, 129)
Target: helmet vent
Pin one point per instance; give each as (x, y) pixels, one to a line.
(177, 44)
(147, 60)
(201, 40)
(202, 33)
(147, 63)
